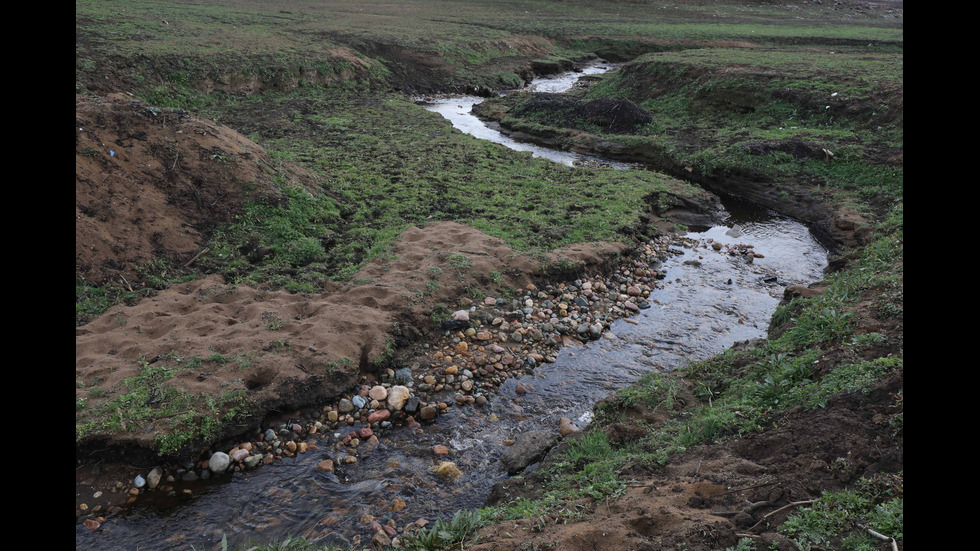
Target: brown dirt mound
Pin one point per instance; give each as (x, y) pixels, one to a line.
(152, 183)
(287, 351)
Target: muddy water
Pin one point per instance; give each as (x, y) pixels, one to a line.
(709, 300)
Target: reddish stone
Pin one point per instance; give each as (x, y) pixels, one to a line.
(378, 416)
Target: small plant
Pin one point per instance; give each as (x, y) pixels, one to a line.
(445, 534)
(278, 344)
(459, 261)
(271, 321)
(841, 520)
(244, 361)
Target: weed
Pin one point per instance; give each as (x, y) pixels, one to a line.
(459, 261)
(445, 534)
(832, 521)
(271, 321)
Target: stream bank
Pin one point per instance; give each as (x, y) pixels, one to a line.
(381, 475)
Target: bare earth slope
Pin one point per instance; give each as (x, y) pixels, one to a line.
(151, 184)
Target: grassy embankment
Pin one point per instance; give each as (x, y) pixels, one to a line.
(300, 85)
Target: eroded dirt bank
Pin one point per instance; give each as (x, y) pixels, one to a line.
(153, 184)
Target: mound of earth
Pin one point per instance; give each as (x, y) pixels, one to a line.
(617, 116)
(153, 183)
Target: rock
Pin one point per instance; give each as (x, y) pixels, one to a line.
(404, 375)
(397, 397)
(529, 447)
(252, 461)
(447, 469)
(153, 479)
(461, 315)
(378, 393)
(795, 291)
(139, 481)
(412, 404)
(325, 465)
(566, 426)
(428, 413)
(379, 416)
(239, 455)
(381, 539)
(359, 401)
(519, 389)
(219, 462)
(345, 406)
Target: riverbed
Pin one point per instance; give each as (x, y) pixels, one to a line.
(707, 301)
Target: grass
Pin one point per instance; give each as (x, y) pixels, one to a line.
(148, 403)
(723, 112)
(841, 519)
(391, 165)
(745, 392)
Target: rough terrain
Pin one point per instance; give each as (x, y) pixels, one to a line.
(154, 185)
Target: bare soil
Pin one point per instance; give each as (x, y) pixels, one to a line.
(148, 186)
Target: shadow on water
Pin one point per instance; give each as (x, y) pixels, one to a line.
(709, 300)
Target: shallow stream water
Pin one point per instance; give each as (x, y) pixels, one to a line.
(709, 301)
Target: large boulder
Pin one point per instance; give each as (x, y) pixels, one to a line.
(528, 448)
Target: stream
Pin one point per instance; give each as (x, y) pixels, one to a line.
(708, 302)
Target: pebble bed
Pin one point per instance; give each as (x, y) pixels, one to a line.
(483, 343)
